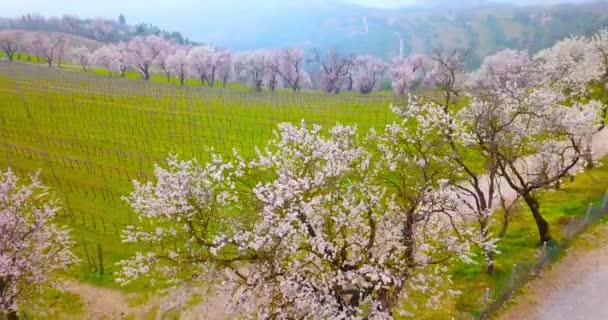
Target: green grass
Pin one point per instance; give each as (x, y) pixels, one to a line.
(53, 304)
(520, 245)
(92, 135)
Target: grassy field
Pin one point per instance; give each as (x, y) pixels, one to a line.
(91, 135)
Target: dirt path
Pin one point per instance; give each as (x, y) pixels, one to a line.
(574, 289)
(103, 303)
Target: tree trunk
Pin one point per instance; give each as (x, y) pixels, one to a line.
(408, 238)
(604, 114)
(181, 81)
(490, 263)
(10, 56)
(588, 156)
(12, 315)
(505, 225)
(544, 232)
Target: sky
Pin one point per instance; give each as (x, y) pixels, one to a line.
(110, 8)
(156, 11)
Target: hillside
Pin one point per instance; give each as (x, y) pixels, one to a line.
(486, 27)
(98, 29)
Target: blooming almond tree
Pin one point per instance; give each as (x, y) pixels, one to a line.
(406, 74)
(225, 70)
(330, 239)
(105, 57)
(506, 66)
(161, 61)
(463, 139)
(143, 52)
(289, 64)
(121, 58)
(431, 144)
(32, 247)
(367, 70)
(11, 42)
(207, 62)
(272, 78)
(304, 228)
(570, 65)
(253, 67)
(600, 44)
(535, 140)
(49, 47)
(335, 69)
(81, 56)
(198, 59)
(178, 64)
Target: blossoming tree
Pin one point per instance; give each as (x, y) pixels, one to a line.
(367, 71)
(11, 42)
(535, 139)
(406, 74)
(143, 52)
(288, 63)
(32, 247)
(49, 47)
(304, 228)
(253, 66)
(178, 64)
(335, 69)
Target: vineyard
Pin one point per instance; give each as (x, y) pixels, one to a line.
(91, 136)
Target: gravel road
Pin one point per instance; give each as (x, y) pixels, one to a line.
(574, 289)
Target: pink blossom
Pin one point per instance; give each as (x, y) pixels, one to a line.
(32, 247)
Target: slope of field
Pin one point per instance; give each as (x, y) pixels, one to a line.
(91, 136)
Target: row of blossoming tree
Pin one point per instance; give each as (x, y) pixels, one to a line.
(272, 68)
(336, 223)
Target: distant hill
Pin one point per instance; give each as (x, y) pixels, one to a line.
(482, 25)
(97, 29)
